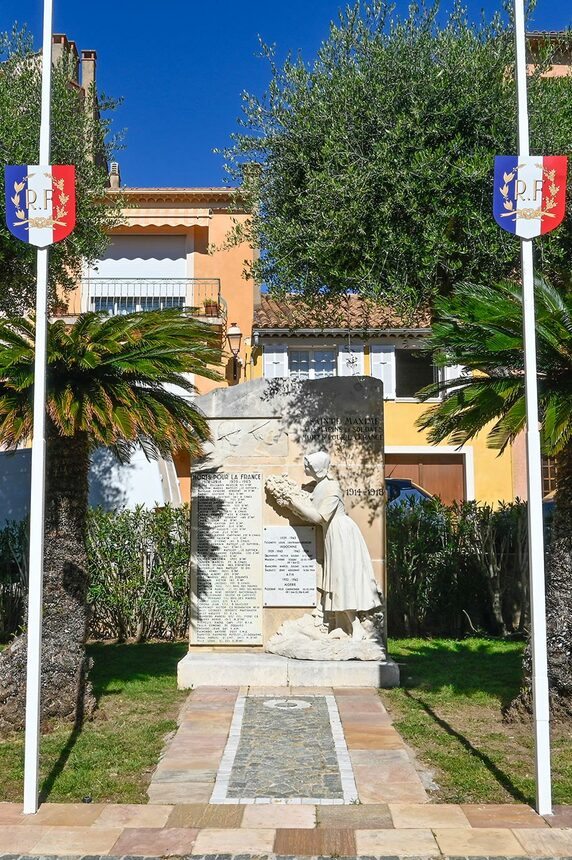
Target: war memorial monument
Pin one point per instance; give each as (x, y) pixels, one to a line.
(288, 540)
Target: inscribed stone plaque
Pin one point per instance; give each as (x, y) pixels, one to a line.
(227, 558)
(289, 566)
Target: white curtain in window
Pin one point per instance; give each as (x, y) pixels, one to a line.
(324, 361)
(299, 363)
(452, 371)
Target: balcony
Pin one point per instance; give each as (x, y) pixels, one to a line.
(202, 296)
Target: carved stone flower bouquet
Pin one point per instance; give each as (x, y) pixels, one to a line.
(284, 491)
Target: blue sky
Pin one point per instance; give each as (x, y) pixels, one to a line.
(181, 66)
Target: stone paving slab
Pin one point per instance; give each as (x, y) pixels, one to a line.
(269, 856)
(332, 842)
(301, 831)
(357, 816)
(393, 818)
(503, 815)
(196, 759)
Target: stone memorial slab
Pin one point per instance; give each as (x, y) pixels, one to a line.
(254, 509)
(226, 574)
(289, 566)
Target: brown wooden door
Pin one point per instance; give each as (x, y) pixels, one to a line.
(441, 475)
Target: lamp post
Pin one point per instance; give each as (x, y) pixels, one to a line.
(234, 337)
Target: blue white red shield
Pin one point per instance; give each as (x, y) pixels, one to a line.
(529, 193)
(40, 202)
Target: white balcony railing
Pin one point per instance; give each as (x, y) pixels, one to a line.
(126, 295)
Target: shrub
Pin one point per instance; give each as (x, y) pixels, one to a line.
(13, 577)
(139, 564)
(453, 569)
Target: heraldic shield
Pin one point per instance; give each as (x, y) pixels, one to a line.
(40, 202)
(529, 193)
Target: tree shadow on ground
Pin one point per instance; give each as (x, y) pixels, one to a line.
(443, 670)
(114, 666)
(466, 667)
(501, 777)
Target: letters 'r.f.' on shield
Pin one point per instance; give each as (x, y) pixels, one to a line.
(529, 193)
(40, 202)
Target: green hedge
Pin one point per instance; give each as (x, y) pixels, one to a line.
(451, 570)
(139, 565)
(456, 569)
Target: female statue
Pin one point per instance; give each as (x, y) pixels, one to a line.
(348, 581)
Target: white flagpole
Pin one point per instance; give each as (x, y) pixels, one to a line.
(540, 698)
(36, 567)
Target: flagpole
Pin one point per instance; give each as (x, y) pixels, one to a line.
(540, 699)
(36, 566)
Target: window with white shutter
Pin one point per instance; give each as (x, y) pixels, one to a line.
(351, 360)
(383, 367)
(275, 361)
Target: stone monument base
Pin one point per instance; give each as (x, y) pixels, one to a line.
(260, 669)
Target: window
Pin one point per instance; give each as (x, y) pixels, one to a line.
(413, 371)
(114, 305)
(311, 363)
(548, 475)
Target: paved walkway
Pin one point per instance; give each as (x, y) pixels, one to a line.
(197, 807)
(349, 726)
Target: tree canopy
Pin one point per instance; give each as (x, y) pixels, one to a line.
(376, 159)
(80, 136)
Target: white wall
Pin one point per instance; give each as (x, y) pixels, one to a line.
(14, 485)
(111, 485)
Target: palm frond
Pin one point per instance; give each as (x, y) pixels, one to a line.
(480, 328)
(108, 377)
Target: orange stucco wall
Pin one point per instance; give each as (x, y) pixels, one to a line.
(207, 220)
(213, 260)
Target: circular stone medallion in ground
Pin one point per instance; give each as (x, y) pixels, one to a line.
(286, 704)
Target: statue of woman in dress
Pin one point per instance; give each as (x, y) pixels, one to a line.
(348, 584)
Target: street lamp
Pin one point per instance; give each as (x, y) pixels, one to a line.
(234, 337)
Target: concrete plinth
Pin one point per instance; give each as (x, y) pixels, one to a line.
(243, 668)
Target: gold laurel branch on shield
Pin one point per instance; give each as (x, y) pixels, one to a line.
(529, 214)
(18, 188)
(508, 204)
(40, 222)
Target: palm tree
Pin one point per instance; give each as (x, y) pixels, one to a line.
(480, 329)
(109, 382)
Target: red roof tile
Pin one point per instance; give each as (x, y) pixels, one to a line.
(347, 312)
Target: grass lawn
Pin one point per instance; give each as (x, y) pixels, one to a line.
(449, 711)
(113, 755)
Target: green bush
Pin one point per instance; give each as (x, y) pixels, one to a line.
(452, 569)
(13, 577)
(457, 568)
(139, 565)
